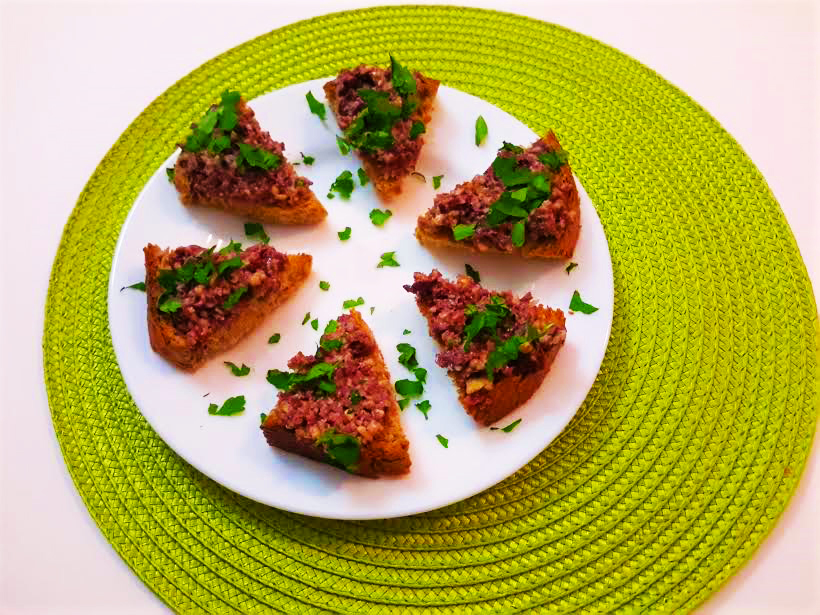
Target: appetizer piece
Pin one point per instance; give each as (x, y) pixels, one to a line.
(338, 406)
(202, 302)
(230, 163)
(383, 114)
(496, 347)
(526, 203)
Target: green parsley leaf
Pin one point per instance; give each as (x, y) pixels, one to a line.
(518, 234)
(388, 260)
(502, 355)
(406, 332)
(220, 144)
(262, 417)
(487, 319)
(135, 286)
(234, 297)
(330, 195)
(407, 356)
(330, 345)
(308, 160)
(570, 267)
(372, 309)
(463, 231)
(509, 147)
(409, 388)
(444, 441)
(371, 130)
(229, 265)
(257, 157)
(171, 173)
(403, 80)
(363, 179)
(274, 339)
(232, 405)
(403, 403)
(331, 326)
(437, 181)
(344, 146)
(424, 408)
(344, 184)
(472, 273)
(421, 374)
(417, 129)
(254, 230)
(315, 324)
(355, 398)
(379, 217)
(509, 427)
(324, 285)
(341, 449)
(233, 246)
(351, 303)
(316, 108)
(170, 306)
(228, 117)
(238, 371)
(320, 377)
(577, 304)
(345, 234)
(306, 318)
(480, 130)
(554, 160)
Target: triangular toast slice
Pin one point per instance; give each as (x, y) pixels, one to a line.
(497, 348)
(203, 302)
(383, 114)
(338, 405)
(525, 203)
(228, 162)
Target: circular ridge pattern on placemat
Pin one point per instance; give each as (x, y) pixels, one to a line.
(677, 465)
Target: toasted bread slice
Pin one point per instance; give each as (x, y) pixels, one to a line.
(261, 185)
(387, 167)
(552, 228)
(348, 417)
(500, 366)
(195, 332)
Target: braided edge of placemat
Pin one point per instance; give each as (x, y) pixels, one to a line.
(584, 166)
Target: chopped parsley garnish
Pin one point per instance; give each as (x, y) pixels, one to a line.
(315, 324)
(341, 449)
(424, 408)
(508, 428)
(437, 181)
(232, 264)
(409, 388)
(379, 217)
(554, 160)
(570, 267)
(169, 306)
(518, 234)
(306, 318)
(351, 303)
(135, 286)
(407, 355)
(417, 129)
(344, 184)
(488, 319)
(463, 231)
(233, 246)
(318, 377)
(232, 405)
(577, 304)
(256, 157)
(223, 116)
(236, 370)
(234, 297)
(324, 285)
(406, 332)
(388, 260)
(509, 147)
(262, 417)
(472, 273)
(316, 108)
(372, 309)
(480, 130)
(403, 80)
(274, 339)
(363, 179)
(444, 441)
(331, 326)
(403, 403)
(344, 148)
(308, 160)
(345, 234)
(509, 350)
(170, 172)
(355, 398)
(254, 230)
(421, 374)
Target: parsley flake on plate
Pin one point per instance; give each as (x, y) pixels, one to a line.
(324, 285)
(472, 272)
(424, 408)
(170, 172)
(508, 428)
(363, 179)
(343, 184)
(406, 332)
(570, 267)
(345, 234)
(308, 160)
(463, 231)
(437, 181)
(444, 441)
(306, 318)
(577, 304)
(135, 286)
(351, 303)
(254, 230)
(388, 259)
(379, 217)
(407, 355)
(480, 130)
(344, 148)
(232, 405)
(403, 403)
(372, 309)
(316, 108)
(236, 370)
(274, 339)
(409, 388)
(315, 324)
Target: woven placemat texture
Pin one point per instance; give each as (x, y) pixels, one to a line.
(675, 468)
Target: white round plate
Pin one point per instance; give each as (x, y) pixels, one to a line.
(231, 450)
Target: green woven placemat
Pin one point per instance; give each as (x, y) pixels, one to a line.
(677, 465)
